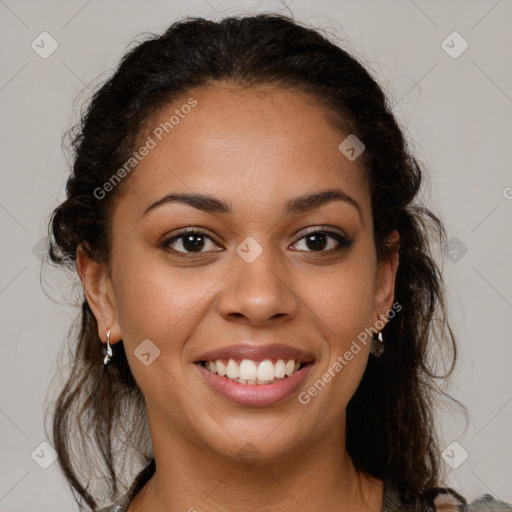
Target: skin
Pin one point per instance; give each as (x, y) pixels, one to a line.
(269, 144)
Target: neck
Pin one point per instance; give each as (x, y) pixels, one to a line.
(320, 476)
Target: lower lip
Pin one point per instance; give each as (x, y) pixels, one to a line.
(255, 395)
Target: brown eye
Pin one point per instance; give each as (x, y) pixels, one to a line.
(187, 242)
(318, 241)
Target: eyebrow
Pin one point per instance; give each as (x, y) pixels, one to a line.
(300, 204)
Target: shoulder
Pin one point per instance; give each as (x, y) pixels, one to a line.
(435, 499)
(439, 499)
(488, 503)
(446, 499)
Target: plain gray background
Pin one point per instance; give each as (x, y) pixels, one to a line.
(456, 113)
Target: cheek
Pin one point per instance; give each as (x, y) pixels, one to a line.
(343, 306)
(343, 300)
(156, 301)
(155, 305)
(160, 304)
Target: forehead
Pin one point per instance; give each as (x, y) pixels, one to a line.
(259, 145)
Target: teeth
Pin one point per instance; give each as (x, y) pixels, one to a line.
(221, 369)
(290, 367)
(232, 370)
(266, 371)
(280, 369)
(247, 369)
(251, 372)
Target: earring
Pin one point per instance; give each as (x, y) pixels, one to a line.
(377, 345)
(109, 349)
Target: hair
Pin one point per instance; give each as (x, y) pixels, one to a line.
(390, 429)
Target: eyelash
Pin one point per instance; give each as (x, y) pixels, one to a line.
(343, 241)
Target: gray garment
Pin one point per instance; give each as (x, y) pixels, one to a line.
(434, 500)
(439, 499)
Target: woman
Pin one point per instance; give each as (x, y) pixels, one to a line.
(259, 291)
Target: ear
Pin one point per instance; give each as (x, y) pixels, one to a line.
(385, 281)
(98, 291)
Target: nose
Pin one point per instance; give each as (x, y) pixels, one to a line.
(258, 292)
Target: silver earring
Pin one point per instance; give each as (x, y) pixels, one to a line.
(109, 349)
(377, 345)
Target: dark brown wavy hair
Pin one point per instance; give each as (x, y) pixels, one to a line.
(99, 421)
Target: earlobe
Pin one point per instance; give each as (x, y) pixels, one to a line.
(99, 294)
(388, 267)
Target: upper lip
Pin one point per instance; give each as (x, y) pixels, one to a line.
(256, 352)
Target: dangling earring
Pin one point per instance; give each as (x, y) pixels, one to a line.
(109, 349)
(377, 345)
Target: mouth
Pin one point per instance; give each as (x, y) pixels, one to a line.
(254, 372)
(255, 375)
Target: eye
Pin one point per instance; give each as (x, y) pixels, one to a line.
(318, 241)
(187, 241)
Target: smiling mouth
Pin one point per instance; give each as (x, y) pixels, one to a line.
(248, 371)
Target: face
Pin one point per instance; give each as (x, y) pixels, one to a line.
(264, 275)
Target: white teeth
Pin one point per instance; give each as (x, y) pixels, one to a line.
(232, 370)
(221, 369)
(247, 370)
(266, 371)
(280, 369)
(250, 372)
